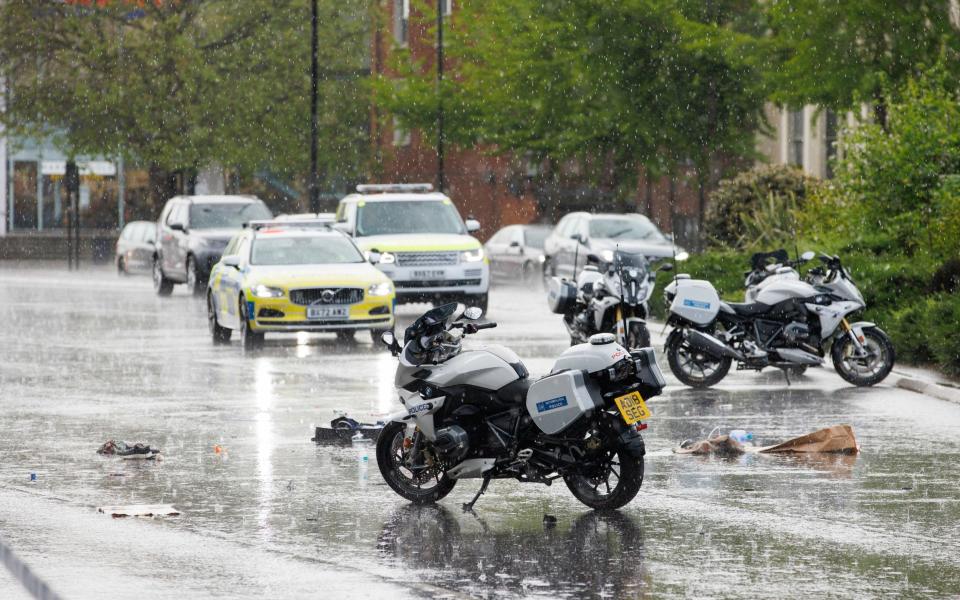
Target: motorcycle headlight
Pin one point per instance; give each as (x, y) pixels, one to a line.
(380, 289)
(265, 291)
(607, 255)
(471, 256)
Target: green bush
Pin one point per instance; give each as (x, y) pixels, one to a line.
(925, 332)
(759, 203)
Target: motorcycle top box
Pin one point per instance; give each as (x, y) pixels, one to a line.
(696, 300)
(561, 295)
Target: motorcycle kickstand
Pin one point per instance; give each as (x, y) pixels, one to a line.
(468, 507)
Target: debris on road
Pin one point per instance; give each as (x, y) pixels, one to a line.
(837, 439)
(136, 451)
(139, 510)
(345, 429)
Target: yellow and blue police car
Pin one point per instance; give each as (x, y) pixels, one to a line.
(290, 275)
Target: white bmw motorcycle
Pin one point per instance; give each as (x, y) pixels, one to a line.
(790, 325)
(478, 414)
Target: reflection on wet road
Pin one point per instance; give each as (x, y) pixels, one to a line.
(91, 357)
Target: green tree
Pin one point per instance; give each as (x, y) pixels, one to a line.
(617, 85)
(180, 85)
(842, 53)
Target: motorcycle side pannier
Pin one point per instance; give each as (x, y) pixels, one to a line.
(558, 400)
(561, 295)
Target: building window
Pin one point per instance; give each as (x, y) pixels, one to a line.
(401, 21)
(401, 136)
(795, 137)
(831, 141)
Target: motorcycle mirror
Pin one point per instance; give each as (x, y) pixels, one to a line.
(373, 257)
(593, 259)
(390, 341)
(666, 267)
(473, 313)
(808, 255)
(681, 256)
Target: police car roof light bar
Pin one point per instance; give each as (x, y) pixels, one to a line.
(290, 223)
(383, 188)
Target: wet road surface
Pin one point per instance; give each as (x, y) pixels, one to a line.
(89, 357)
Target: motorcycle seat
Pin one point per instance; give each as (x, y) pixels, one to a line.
(748, 309)
(515, 392)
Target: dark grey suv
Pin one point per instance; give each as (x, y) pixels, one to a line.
(191, 234)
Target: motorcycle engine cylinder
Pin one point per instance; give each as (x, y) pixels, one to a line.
(452, 442)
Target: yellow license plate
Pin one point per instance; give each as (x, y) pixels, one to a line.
(633, 408)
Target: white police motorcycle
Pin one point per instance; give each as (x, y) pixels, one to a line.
(478, 414)
(791, 324)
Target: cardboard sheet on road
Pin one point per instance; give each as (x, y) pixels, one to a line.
(838, 439)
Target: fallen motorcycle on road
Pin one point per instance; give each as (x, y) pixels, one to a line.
(792, 324)
(478, 414)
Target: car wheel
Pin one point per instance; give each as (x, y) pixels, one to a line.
(161, 285)
(250, 338)
(122, 267)
(195, 283)
(221, 335)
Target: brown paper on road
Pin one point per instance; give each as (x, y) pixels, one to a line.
(836, 439)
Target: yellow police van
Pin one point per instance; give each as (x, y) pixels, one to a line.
(423, 244)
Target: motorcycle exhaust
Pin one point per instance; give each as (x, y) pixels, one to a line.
(799, 357)
(709, 344)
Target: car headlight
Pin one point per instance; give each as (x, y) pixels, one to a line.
(380, 289)
(607, 255)
(265, 291)
(472, 255)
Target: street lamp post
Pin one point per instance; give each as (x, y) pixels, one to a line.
(441, 177)
(314, 184)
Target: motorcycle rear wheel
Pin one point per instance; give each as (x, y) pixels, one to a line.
(691, 367)
(421, 485)
(615, 486)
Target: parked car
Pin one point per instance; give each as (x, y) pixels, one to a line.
(296, 276)
(582, 238)
(516, 252)
(191, 234)
(136, 247)
(424, 245)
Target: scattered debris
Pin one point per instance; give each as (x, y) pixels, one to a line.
(139, 510)
(137, 451)
(344, 429)
(33, 476)
(549, 521)
(838, 439)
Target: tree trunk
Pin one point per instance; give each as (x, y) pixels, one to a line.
(880, 110)
(163, 185)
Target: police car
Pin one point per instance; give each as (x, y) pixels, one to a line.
(423, 244)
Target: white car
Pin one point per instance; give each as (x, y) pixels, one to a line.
(421, 242)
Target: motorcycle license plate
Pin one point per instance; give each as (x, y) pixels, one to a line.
(328, 312)
(632, 408)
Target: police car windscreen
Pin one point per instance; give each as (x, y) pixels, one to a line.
(226, 216)
(416, 216)
(304, 250)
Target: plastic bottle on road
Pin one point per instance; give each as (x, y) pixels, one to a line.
(741, 436)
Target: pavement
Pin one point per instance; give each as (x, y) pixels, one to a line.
(89, 356)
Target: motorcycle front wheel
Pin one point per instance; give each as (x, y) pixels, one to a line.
(609, 485)
(413, 477)
(868, 369)
(693, 367)
(638, 336)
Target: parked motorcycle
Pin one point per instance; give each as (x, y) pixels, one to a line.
(791, 324)
(478, 414)
(608, 297)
